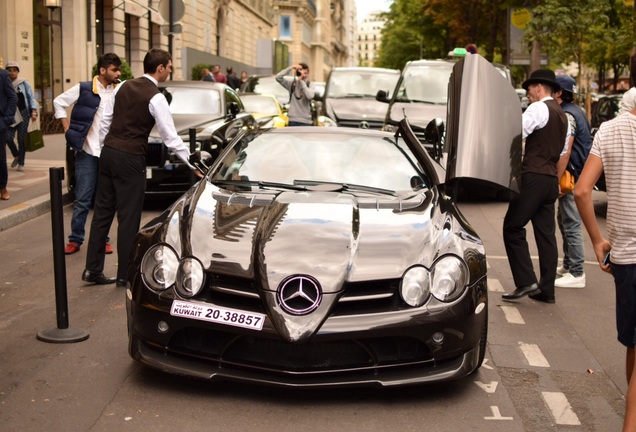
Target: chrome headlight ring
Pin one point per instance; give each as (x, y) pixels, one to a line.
(446, 281)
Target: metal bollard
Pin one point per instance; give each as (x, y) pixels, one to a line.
(62, 333)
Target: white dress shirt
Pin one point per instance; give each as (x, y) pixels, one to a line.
(92, 144)
(536, 116)
(159, 109)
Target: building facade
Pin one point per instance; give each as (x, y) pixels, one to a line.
(369, 38)
(58, 46)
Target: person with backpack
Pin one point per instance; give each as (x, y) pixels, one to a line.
(82, 136)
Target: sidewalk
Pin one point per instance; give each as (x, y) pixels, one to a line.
(30, 189)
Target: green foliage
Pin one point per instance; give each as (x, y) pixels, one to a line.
(126, 72)
(196, 70)
(409, 34)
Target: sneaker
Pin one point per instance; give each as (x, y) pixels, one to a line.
(20, 168)
(561, 270)
(568, 280)
(108, 249)
(15, 162)
(71, 248)
(4, 194)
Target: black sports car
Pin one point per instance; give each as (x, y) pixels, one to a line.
(329, 256)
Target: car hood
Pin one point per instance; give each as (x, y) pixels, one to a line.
(357, 108)
(357, 238)
(417, 113)
(483, 126)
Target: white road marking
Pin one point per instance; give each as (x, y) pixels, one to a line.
(496, 415)
(512, 315)
(533, 355)
(560, 408)
(485, 365)
(494, 285)
(487, 387)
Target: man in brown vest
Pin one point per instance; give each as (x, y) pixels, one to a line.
(545, 128)
(126, 124)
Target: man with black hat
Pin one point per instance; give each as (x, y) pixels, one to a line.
(545, 128)
(570, 274)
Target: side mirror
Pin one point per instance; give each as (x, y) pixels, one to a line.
(433, 134)
(382, 96)
(234, 109)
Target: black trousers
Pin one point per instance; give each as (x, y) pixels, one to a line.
(535, 203)
(120, 188)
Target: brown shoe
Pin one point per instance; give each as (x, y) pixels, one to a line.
(4, 194)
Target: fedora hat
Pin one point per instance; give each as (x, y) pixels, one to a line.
(542, 76)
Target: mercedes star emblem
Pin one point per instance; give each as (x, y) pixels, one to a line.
(299, 295)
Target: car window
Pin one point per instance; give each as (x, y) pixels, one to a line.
(269, 85)
(427, 84)
(343, 84)
(258, 104)
(334, 157)
(193, 100)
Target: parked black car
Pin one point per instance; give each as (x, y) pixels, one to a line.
(349, 97)
(328, 256)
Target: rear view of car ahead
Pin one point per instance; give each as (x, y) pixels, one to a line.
(349, 98)
(312, 257)
(215, 114)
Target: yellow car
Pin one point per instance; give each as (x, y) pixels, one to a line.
(265, 109)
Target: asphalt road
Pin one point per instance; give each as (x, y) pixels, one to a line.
(548, 367)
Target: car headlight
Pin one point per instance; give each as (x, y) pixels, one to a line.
(159, 267)
(449, 277)
(190, 277)
(415, 286)
(326, 122)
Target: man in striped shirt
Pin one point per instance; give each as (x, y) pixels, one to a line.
(614, 152)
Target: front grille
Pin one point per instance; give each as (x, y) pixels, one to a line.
(316, 356)
(373, 124)
(156, 155)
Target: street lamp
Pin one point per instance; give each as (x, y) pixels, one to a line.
(53, 4)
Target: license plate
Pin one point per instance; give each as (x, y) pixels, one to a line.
(231, 317)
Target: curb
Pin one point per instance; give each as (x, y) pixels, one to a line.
(25, 211)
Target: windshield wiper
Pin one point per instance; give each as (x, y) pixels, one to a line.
(341, 187)
(260, 184)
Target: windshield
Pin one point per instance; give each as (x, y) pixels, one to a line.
(184, 100)
(352, 83)
(326, 157)
(268, 85)
(428, 84)
(260, 104)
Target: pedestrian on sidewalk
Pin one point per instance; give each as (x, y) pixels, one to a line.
(28, 109)
(545, 130)
(614, 153)
(88, 99)
(571, 273)
(8, 104)
(136, 106)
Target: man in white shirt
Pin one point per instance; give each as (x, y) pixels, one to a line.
(545, 129)
(136, 107)
(82, 135)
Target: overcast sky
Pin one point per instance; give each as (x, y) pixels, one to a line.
(365, 6)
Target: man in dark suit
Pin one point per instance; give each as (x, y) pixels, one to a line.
(8, 104)
(136, 106)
